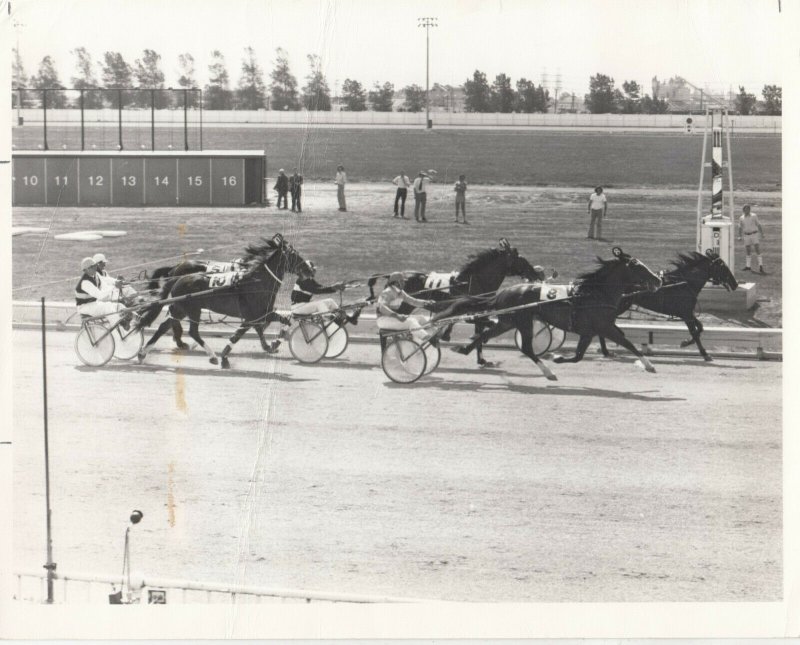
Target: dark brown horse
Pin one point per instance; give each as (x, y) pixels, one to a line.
(250, 297)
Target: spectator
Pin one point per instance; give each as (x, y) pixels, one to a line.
(750, 230)
(461, 197)
(296, 188)
(340, 181)
(421, 194)
(402, 182)
(282, 187)
(598, 205)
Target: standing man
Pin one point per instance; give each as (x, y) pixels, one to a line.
(296, 188)
(340, 181)
(282, 186)
(421, 195)
(402, 182)
(597, 210)
(461, 197)
(750, 229)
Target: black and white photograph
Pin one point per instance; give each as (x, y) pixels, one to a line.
(444, 319)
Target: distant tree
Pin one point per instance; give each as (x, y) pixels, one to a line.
(316, 93)
(116, 74)
(381, 97)
(530, 98)
(653, 106)
(502, 94)
(217, 95)
(18, 76)
(601, 98)
(284, 84)
(85, 79)
(414, 99)
(745, 103)
(186, 78)
(631, 101)
(148, 74)
(354, 96)
(252, 90)
(773, 100)
(477, 93)
(47, 78)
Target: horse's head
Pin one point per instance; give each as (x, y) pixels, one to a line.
(720, 273)
(635, 271)
(276, 256)
(295, 263)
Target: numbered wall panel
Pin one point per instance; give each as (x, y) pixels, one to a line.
(138, 179)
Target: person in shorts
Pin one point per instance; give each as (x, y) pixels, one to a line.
(751, 233)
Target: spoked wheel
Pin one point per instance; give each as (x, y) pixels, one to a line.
(403, 361)
(308, 342)
(94, 345)
(559, 335)
(542, 338)
(432, 357)
(127, 343)
(338, 339)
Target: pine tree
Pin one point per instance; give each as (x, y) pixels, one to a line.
(217, 93)
(414, 99)
(381, 97)
(149, 75)
(316, 94)
(284, 85)
(502, 94)
(602, 98)
(47, 78)
(252, 90)
(116, 74)
(477, 93)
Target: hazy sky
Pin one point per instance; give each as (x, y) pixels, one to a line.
(716, 44)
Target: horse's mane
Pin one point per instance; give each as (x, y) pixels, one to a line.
(477, 260)
(688, 261)
(255, 254)
(597, 279)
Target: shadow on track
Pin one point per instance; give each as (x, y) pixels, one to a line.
(211, 370)
(550, 390)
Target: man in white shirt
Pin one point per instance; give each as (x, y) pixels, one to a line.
(340, 181)
(421, 194)
(597, 210)
(751, 232)
(402, 182)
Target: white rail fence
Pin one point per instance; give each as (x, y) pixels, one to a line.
(89, 588)
(266, 118)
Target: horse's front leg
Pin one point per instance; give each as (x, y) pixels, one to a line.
(194, 333)
(177, 333)
(162, 328)
(615, 335)
(237, 335)
(695, 329)
(526, 332)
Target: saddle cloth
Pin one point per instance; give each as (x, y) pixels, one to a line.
(226, 279)
(440, 280)
(223, 267)
(556, 291)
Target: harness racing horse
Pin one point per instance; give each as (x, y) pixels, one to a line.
(251, 297)
(590, 311)
(481, 275)
(163, 276)
(678, 293)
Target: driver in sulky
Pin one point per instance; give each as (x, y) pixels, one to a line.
(389, 302)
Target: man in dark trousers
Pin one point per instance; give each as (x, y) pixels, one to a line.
(282, 186)
(296, 188)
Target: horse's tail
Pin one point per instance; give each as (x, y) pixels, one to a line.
(155, 278)
(152, 310)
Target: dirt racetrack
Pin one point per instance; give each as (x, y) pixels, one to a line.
(610, 484)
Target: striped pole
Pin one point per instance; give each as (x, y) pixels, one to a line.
(716, 173)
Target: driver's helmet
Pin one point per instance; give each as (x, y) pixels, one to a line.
(396, 278)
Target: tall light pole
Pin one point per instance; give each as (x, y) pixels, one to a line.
(427, 22)
(17, 26)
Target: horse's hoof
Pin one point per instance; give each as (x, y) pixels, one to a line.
(707, 358)
(686, 343)
(460, 349)
(609, 355)
(226, 364)
(140, 357)
(558, 359)
(273, 347)
(551, 377)
(182, 346)
(213, 360)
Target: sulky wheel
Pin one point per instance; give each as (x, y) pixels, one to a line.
(308, 342)
(541, 338)
(127, 343)
(338, 339)
(94, 344)
(558, 337)
(432, 357)
(403, 361)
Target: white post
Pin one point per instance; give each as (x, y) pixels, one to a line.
(700, 186)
